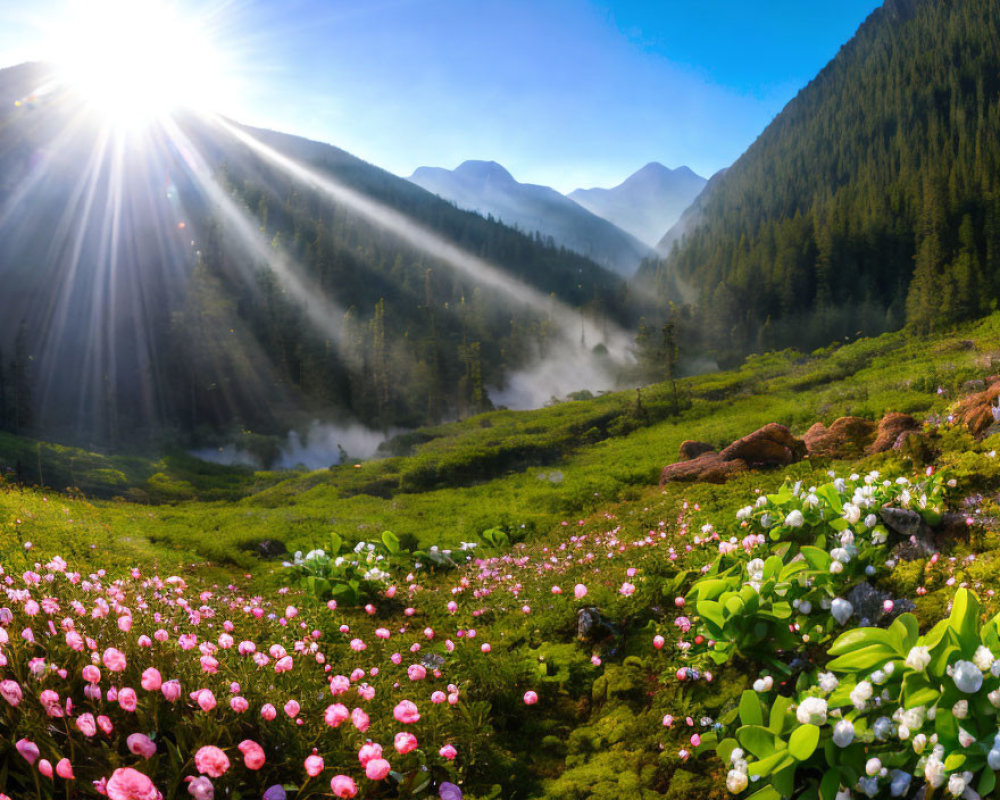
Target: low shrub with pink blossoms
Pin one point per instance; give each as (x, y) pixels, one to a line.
(142, 688)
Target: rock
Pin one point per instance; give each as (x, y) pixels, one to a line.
(592, 627)
(268, 548)
(710, 468)
(869, 604)
(980, 410)
(770, 446)
(953, 526)
(906, 523)
(692, 449)
(847, 437)
(891, 430)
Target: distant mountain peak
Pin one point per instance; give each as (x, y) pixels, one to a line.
(484, 169)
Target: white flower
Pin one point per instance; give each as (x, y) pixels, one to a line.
(839, 485)
(872, 766)
(919, 743)
(851, 513)
(899, 782)
(841, 610)
(913, 718)
(860, 695)
(805, 607)
(983, 658)
(755, 569)
(871, 521)
(843, 733)
(828, 682)
(903, 733)
(868, 786)
(918, 658)
(761, 501)
(763, 684)
(736, 781)
(840, 554)
(956, 785)
(965, 738)
(836, 567)
(766, 521)
(994, 698)
(794, 519)
(744, 513)
(934, 771)
(993, 759)
(960, 709)
(966, 676)
(736, 755)
(882, 728)
(811, 500)
(811, 711)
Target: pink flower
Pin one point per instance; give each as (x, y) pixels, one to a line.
(151, 680)
(127, 699)
(530, 698)
(91, 674)
(86, 725)
(64, 769)
(200, 788)
(314, 765)
(448, 752)
(405, 742)
(627, 589)
(268, 712)
(579, 591)
(292, 708)
(343, 786)
(171, 690)
(360, 720)
(438, 697)
(210, 760)
(130, 784)
(45, 767)
(253, 754)
(284, 664)
(239, 704)
(141, 745)
(114, 660)
(28, 750)
(377, 769)
(339, 684)
(336, 714)
(658, 642)
(406, 712)
(205, 699)
(11, 691)
(368, 751)
(104, 723)
(416, 672)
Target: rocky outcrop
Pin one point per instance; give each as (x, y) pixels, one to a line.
(979, 411)
(847, 437)
(692, 449)
(770, 446)
(892, 431)
(708, 468)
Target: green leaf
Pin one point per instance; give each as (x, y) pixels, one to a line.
(335, 543)
(776, 719)
(784, 780)
(861, 637)
(772, 567)
(771, 764)
(803, 741)
(987, 782)
(758, 740)
(862, 658)
(711, 611)
(709, 589)
(830, 785)
(724, 749)
(829, 493)
(908, 629)
(750, 710)
(391, 542)
(964, 619)
(767, 793)
(954, 761)
(917, 691)
(817, 558)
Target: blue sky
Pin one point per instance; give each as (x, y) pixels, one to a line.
(567, 93)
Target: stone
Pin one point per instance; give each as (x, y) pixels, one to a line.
(869, 605)
(847, 437)
(692, 449)
(709, 468)
(770, 446)
(268, 548)
(592, 627)
(890, 431)
(906, 523)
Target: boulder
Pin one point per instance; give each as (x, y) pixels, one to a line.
(980, 410)
(692, 449)
(709, 467)
(770, 446)
(268, 548)
(891, 432)
(868, 604)
(847, 437)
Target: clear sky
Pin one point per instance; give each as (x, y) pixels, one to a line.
(568, 93)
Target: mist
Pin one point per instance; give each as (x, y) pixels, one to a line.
(568, 369)
(323, 445)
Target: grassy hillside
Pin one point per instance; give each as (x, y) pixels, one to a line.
(581, 478)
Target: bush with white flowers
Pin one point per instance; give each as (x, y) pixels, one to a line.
(891, 711)
(822, 541)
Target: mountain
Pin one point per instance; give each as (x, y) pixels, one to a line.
(647, 203)
(871, 201)
(197, 277)
(488, 189)
(690, 217)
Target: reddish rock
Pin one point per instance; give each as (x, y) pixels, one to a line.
(976, 410)
(847, 437)
(708, 467)
(892, 430)
(770, 446)
(692, 449)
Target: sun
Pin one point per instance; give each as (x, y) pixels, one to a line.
(133, 61)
